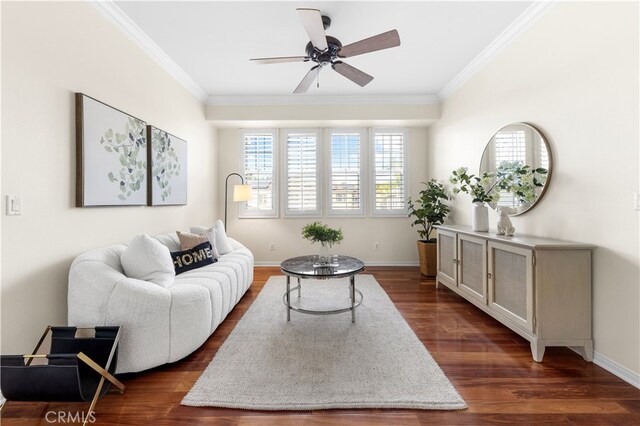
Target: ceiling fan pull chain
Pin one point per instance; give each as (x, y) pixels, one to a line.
(318, 78)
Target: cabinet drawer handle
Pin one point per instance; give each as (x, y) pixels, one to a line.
(489, 275)
(455, 261)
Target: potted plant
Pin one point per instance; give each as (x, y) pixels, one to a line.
(428, 210)
(513, 177)
(326, 236)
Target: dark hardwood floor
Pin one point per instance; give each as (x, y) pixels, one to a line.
(490, 366)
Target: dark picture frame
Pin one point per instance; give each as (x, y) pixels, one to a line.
(111, 155)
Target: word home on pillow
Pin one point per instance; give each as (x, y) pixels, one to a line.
(197, 257)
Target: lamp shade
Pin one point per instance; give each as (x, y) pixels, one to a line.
(241, 192)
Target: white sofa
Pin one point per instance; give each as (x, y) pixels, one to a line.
(159, 325)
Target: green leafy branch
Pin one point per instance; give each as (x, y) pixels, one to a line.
(165, 165)
(319, 232)
(511, 176)
(128, 146)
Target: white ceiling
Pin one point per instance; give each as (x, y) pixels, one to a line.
(213, 42)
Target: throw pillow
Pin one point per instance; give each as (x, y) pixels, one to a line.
(222, 241)
(190, 240)
(148, 259)
(193, 258)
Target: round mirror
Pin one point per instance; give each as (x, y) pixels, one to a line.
(521, 153)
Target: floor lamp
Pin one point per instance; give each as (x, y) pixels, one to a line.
(240, 193)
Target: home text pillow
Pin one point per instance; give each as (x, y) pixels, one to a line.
(193, 258)
(222, 241)
(190, 240)
(148, 259)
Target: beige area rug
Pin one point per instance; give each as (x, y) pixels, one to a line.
(323, 362)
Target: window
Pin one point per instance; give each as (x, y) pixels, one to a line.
(302, 184)
(389, 186)
(510, 147)
(325, 171)
(258, 159)
(345, 173)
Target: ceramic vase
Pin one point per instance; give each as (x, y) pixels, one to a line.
(480, 217)
(323, 254)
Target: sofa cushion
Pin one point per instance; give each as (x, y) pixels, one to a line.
(223, 244)
(222, 241)
(193, 258)
(190, 240)
(147, 259)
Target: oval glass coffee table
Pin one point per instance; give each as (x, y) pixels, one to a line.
(302, 267)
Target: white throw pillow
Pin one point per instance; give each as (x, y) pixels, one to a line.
(222, 241)
(148, 259)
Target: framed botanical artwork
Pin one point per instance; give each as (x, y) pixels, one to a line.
(111, 156)
(167, 168)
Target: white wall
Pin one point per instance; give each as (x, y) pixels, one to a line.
(397, 240)
(574, 75)
(50, 51)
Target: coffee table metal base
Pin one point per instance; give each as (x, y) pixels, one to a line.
(353, 293)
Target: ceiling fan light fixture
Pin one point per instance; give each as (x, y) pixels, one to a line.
(324, 50)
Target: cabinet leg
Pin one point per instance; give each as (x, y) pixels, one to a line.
(587, 350)
(537, 350)
(437, 282)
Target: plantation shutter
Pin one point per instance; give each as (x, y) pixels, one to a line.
(345, 173)
(389, 197)
(302, 185)
(510, 147)
(259, 173)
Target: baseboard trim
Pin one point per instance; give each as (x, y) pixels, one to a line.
(613, 367)
(366, 262)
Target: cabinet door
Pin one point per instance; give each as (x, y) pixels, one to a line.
(447, 271)
(472, 267)
(511, 284)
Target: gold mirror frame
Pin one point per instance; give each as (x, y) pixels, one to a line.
(527, 149)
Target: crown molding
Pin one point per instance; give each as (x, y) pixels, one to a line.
(110, 10)
(529, 17)
(325, 100)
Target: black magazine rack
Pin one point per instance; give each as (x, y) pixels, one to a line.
(75, 368)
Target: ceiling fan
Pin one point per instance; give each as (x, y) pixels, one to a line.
(325, 50)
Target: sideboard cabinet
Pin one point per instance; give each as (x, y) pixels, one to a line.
(538, 287)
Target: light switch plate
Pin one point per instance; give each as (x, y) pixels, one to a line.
(14, 205)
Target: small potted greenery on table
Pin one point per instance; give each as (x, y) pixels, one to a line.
(326, 236)
(429, 210)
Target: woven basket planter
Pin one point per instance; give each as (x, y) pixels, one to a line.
(427, 254)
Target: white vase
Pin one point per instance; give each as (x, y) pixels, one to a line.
(323, 254)
(480, 217)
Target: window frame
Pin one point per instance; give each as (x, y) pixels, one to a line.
(243, 211)
(373, 211)
(284, 136)
(329, 210)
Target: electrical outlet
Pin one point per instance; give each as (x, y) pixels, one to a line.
(272, 246)
(376, 245)
(636, 201)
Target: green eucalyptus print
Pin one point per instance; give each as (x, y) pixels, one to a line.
(127, 146)
(165, 162)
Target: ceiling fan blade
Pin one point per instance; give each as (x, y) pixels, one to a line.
(371, 44)
(354, 74)
(307, 80)
(312, 22)
(279, 59)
